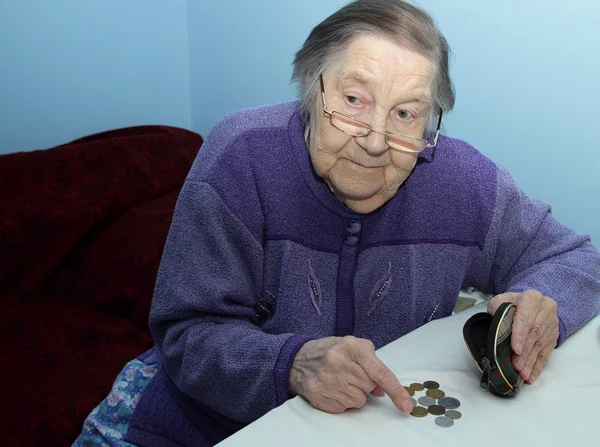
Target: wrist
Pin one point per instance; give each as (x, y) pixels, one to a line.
(297, 371)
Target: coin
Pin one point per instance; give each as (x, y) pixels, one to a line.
(431, 385)
(436, 394)
(415, 403)
(449, 402)
(410, 390)
(443, 421)
(436, 410)
(426, 401)
(419, 412)
(417, 386)
(453, 414)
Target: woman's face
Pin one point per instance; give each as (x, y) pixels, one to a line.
(388, 87)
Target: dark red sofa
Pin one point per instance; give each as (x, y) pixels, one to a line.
(82, 229)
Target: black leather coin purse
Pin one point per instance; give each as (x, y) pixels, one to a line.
(489, 341)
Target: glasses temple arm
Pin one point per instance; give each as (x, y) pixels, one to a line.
(437, 131)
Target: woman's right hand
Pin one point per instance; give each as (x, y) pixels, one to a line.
(337, 373)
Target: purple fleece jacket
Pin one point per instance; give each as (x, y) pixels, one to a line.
(261, 258)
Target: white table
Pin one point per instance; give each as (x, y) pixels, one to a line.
(561, 409)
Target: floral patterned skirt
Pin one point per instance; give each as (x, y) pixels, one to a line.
(108, 423)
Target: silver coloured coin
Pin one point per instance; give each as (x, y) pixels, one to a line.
(449, 403)
(414, 403)
(426, 401)
(444, 421)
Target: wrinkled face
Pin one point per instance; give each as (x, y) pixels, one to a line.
(388, 87)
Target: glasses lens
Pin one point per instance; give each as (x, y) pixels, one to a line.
(406, 143)
(349, 125)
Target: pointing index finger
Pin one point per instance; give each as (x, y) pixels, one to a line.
(387, 380)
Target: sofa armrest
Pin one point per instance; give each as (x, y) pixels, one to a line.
(54, 201)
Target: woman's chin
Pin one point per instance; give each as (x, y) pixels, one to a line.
(356, 187)
(350, 191)
(360, 200)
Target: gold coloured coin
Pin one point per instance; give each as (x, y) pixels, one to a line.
(419, 412)
(417, 386)
(453, 414)
(431, 384)
(410, 390)
(436, 394)
(436, 410)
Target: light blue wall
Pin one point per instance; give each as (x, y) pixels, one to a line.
(69, 68)
(526, 75)
(242, 52)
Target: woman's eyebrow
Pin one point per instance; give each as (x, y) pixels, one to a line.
(416, 99)
(359, 76)
(365, 78)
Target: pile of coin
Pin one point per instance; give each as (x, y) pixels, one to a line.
(434, 402)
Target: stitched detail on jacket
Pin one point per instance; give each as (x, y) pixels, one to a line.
(380, 290)
(314, 289)
(264, 308)
(435, 309)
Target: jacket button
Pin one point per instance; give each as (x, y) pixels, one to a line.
(351, 240)
(354, 227)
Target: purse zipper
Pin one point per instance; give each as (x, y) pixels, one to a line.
(485, 376)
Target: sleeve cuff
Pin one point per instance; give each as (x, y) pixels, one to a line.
(562, 332)
(284, 364)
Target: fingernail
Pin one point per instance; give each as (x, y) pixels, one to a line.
(518, 348)
(406, 406)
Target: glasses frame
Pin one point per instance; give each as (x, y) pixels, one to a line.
(384, 133)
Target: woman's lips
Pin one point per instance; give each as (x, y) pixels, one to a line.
(363, 165)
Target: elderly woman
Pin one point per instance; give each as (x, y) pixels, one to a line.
(307, 235)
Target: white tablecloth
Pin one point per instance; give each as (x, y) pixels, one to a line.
(561, 409)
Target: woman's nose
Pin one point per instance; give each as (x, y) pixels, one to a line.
(374, 144)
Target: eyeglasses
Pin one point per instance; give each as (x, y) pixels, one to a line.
(356, 128)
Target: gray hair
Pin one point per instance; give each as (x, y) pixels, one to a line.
(395, 20)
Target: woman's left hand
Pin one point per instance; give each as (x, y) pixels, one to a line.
(535, 330)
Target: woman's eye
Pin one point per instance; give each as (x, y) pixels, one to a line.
(353, 100)
(404, 114)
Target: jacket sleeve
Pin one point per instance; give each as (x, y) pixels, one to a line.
(527, 248)
(204, 308)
